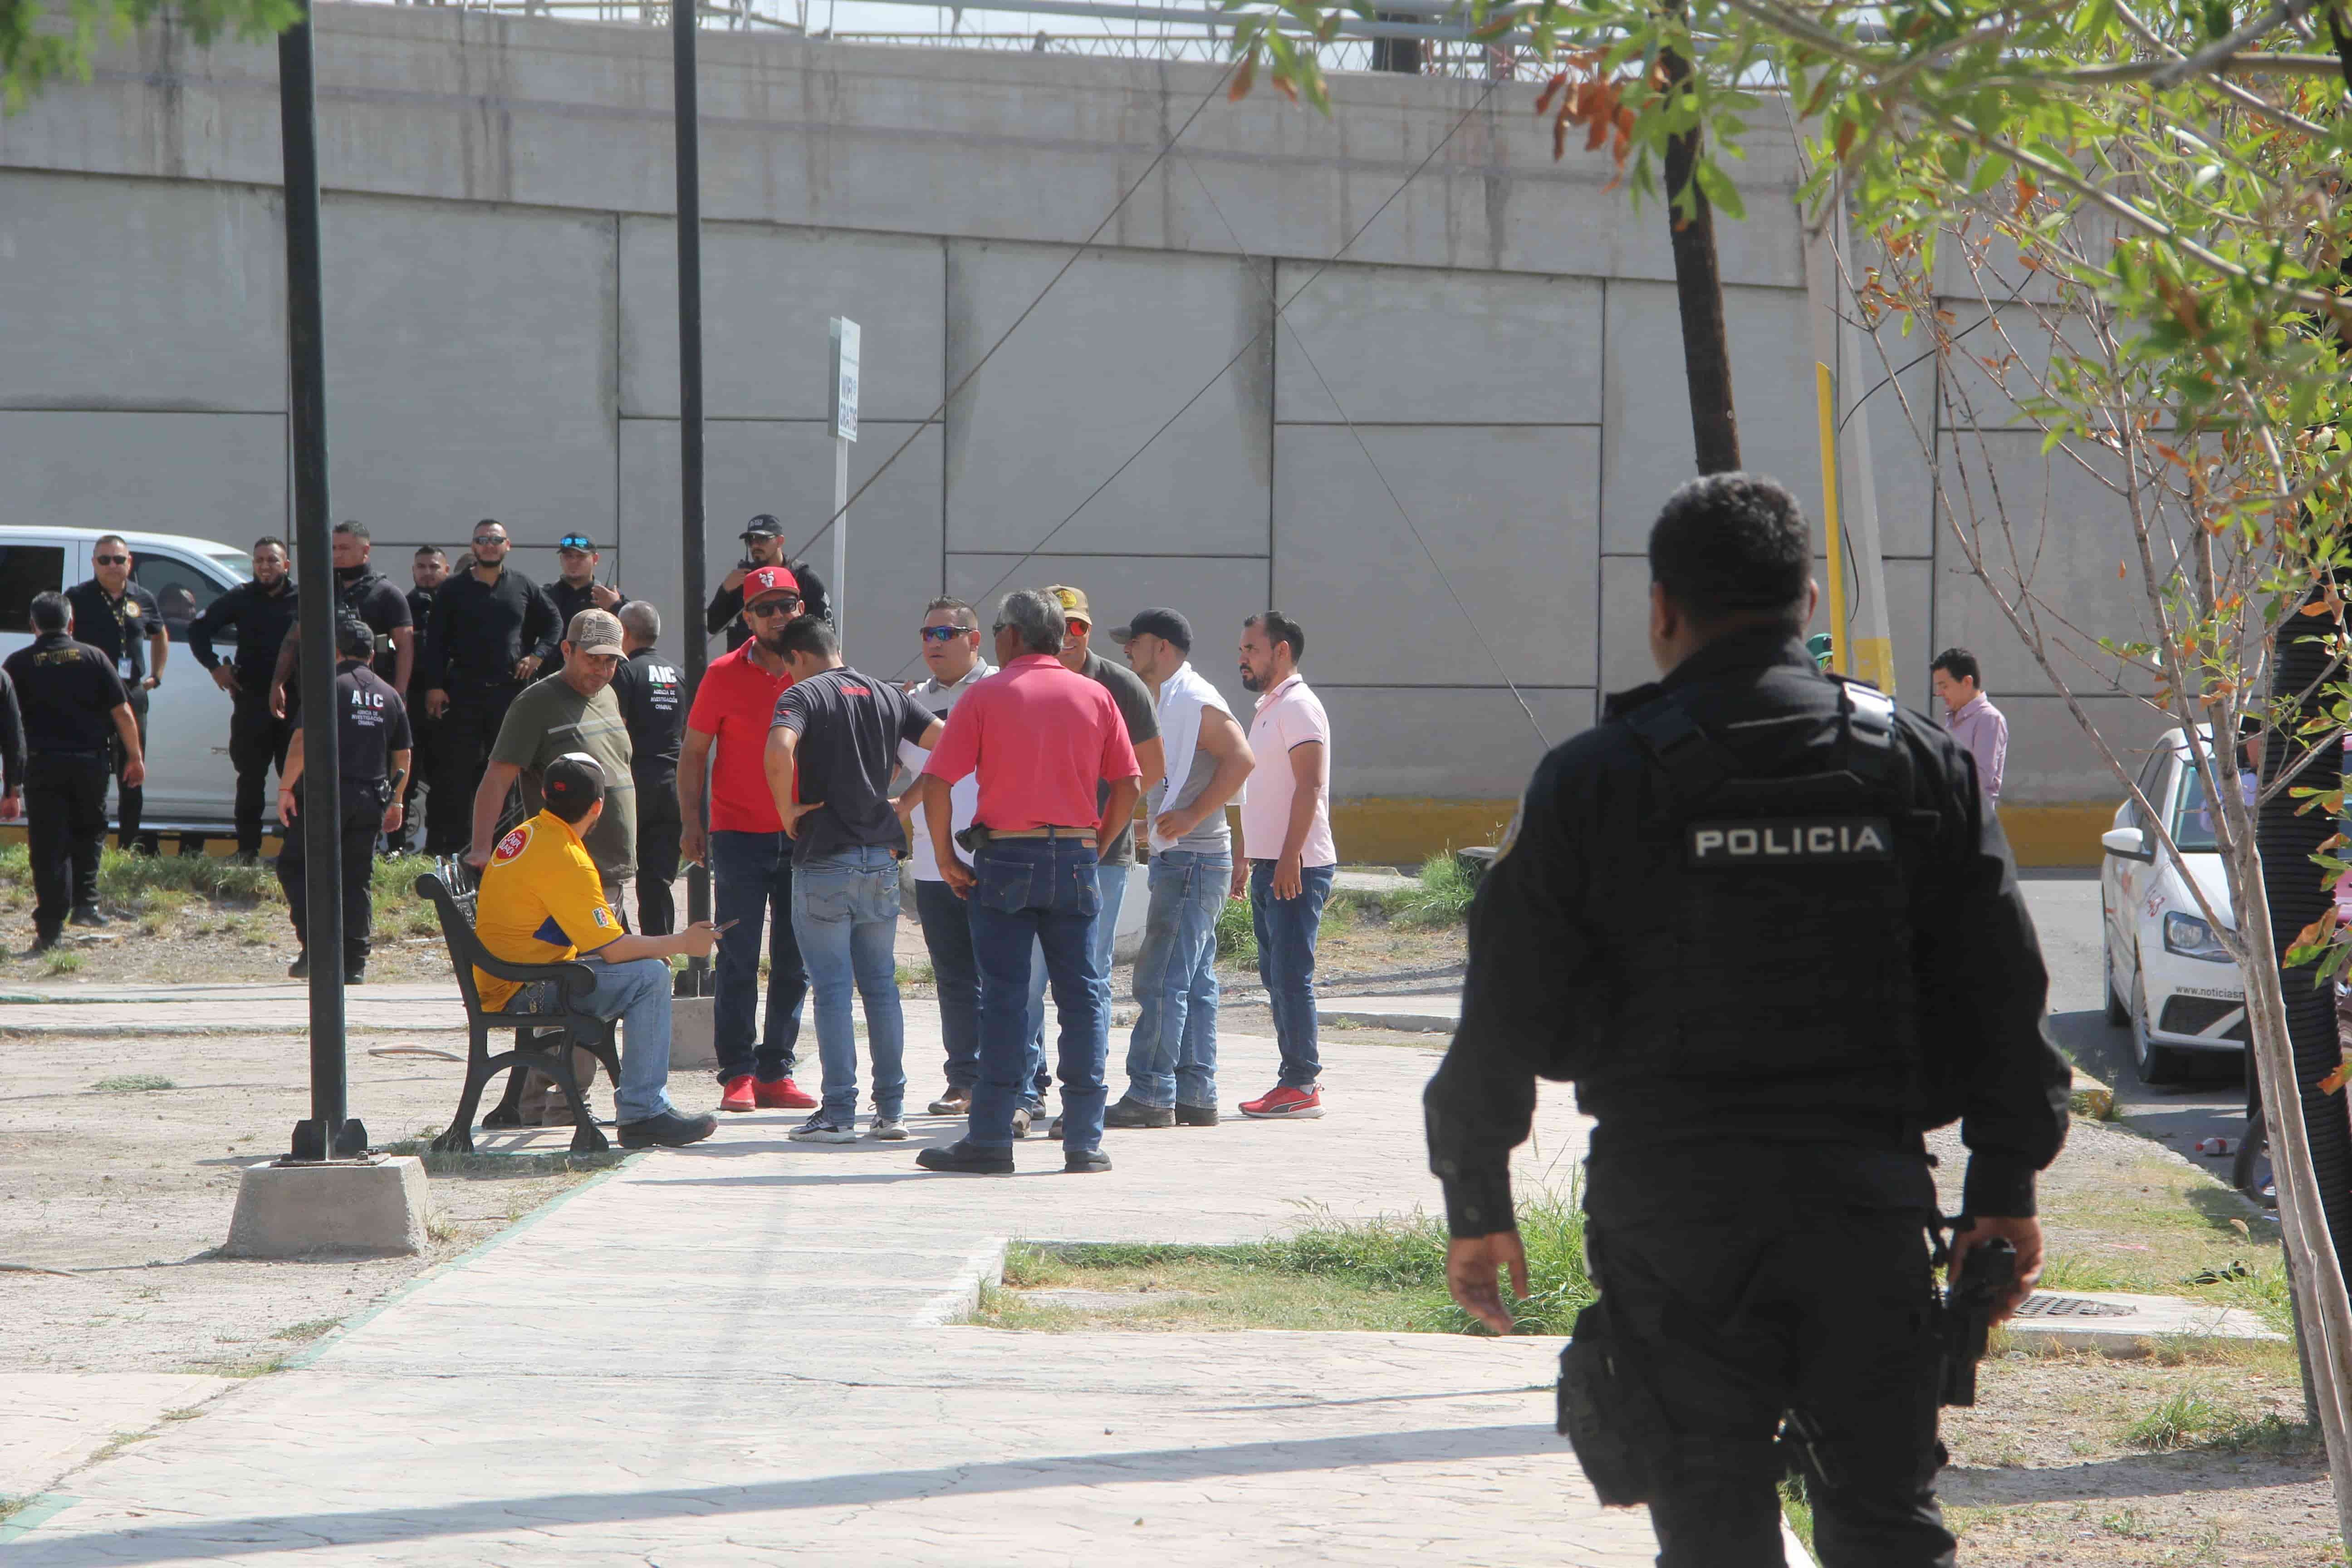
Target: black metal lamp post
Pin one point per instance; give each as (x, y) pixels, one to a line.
(689, 388)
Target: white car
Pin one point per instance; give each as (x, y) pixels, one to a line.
(190, 784)
(2168, 977)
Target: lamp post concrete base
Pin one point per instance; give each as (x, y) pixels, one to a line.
(374, 1207)
(692, 1048)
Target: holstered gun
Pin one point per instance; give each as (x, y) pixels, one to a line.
(1984, 1282)
(972, 837)
(1608, 1412)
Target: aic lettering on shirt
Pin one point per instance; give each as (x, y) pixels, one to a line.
(362, 697)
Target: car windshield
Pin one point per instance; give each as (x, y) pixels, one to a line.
(2192, 823)
(238, 566)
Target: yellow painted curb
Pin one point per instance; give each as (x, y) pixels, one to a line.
(2066, 834)
(1373, 830)
(2091, 1097)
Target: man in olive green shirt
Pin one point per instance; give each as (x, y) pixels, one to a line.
(573, 709)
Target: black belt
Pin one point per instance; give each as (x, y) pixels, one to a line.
(71, 752)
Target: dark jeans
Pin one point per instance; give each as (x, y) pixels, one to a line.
(658, 830)
(362, 820)
(469, 727)
(1038, 892)
(751, 884)
(130, 799)
(256, 743)
(64, 828)
(1285, 962)
(947, 931)
(1744, 1284)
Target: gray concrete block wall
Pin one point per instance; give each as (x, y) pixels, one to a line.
(501, 307)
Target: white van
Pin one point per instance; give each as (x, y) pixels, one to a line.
(191, 788)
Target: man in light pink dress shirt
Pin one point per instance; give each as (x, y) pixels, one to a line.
(1970, 716)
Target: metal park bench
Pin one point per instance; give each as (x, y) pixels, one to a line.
(544, 1035)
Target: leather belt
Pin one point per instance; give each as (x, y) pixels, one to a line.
(996, 833)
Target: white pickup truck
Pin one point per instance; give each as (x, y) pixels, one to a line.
(191, 788)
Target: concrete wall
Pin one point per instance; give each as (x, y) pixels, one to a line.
(1490, 376)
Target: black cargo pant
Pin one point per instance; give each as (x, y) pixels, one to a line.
(1750, 1280)
(64, 828)
(256, 743)
(658, 831)
(130, 799)
(362, 822)
(423, 733)
(469, 728)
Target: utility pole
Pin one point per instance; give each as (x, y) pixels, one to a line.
(1698, 292)
(687, 135)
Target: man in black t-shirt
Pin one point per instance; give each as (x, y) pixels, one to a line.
(763, 545)
(493, 630)
(374, 599)
(121, 620)
(838, 734)
(652, 691)
(74, 708)
(372, 745)
(576, 588)
(428, 569)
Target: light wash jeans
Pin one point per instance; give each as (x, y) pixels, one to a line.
(1110, 886)
(845, 921)
(637, 992)
(1171, 1057)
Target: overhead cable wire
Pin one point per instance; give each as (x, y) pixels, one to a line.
(1280, 309)
(1394, 500)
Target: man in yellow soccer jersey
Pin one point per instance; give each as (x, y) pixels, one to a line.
(543, 902)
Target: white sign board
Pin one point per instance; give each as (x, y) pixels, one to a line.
(845, 378)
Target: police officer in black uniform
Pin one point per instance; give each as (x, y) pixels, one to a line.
(428, 570)
(368, 595)
(493, 631)
(76, 712)
(652, 692)
(371, 743)
(12, 752)
(763, 545)
(576, 588)
(1765, 923)
(121, 620)
(260, 613)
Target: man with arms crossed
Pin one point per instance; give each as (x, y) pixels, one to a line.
(1171, 1058)
(839, 733)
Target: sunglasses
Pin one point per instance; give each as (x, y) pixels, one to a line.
(948, 634)
(767, 609)
(111, 560)
(492, 539)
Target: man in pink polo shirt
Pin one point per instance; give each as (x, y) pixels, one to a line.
(1970, 716)
(742, 841)
(1043, 739)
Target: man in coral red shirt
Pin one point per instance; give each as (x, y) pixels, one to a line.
(1043, 739)
(742, 841)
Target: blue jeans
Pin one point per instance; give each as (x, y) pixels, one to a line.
(947, 931)
(845, 919)
(1110, 885)
(751, 884)
(1285, 962)
(637, 992)
(1044, 891)
(1171, 1057)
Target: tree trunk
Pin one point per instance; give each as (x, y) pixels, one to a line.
(1698, 292)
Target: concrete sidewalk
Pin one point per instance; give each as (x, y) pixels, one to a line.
(735, 1354)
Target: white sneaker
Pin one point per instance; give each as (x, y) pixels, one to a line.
(890, 1128)
(822, 1129)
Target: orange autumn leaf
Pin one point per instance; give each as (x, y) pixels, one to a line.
(2334, 1080)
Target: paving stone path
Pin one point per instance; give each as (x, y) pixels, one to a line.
(745, 1352)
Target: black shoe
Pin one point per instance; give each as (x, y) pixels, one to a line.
(87, 915)
(301, 968)
(42, 941)
(668, 1131)
(1132, 1112)
(1080, 1161)
(356, 975)
(1196, 1115)
(1056, 1129)
(967, 1157)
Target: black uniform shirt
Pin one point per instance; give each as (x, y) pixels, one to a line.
(420, 620)
(726, 612)
(570, 601)
(262, 619)
(68, 692)
(652, 690)
(480, 630)
(118, 628)
(1548, 973)
(849, 727)
(370, 723)
(12, 738)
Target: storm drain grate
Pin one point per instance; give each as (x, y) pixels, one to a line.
(2040, 1305)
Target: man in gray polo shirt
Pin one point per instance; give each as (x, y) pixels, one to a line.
(1171, 1058)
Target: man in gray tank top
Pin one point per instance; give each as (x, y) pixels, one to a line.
(1172, 1058)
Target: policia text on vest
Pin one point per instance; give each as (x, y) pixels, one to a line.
(1817, 841)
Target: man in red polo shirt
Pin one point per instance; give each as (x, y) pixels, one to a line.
(1043, 739)
(742, 841)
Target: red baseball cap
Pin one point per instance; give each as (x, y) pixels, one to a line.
(770, 580)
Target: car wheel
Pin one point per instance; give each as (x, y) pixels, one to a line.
(2118, 1014)
(2155, 1064)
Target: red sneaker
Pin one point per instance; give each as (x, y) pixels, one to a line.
(783, 1094)
(1299, 1104)
(737, 1096)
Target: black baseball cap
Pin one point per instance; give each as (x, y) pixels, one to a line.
(353, 638)
(574, 782)
(1168, 624)
(763, 526)
(579, 541)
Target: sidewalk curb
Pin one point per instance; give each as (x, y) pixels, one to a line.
(982, 1267)
(2090, 1097)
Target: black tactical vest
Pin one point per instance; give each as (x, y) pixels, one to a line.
(1763, 974)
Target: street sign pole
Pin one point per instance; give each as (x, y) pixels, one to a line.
(845, 431)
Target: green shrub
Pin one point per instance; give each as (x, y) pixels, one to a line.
(134, 883)
(1236, 937)
(1441, 898)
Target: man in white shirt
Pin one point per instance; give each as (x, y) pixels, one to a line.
(950, 634)
(1284, 854)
